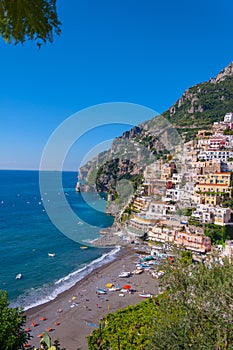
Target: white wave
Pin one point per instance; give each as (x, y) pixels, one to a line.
(42, 295)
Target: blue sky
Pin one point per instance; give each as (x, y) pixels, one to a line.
(143, 52)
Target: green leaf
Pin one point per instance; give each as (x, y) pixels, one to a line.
(46, 339)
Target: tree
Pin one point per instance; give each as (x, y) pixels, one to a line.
(22, 20)
(129, 328)
(12, 335)
(186, 258)
(195, 310)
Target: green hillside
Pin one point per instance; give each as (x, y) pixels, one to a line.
(203, 104)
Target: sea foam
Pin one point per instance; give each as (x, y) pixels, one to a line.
(38, 296)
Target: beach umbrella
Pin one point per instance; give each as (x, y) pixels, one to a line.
(28, 329)
(109, 285)
(43, 318)
(127, 286)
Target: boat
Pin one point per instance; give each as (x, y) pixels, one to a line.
(19, 276)
(145, 295)
(114, 289)
(51, 254)
(83, 247)
(137, 272)
(124, 274)
(101, 291)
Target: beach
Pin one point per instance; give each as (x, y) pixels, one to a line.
(75, 313)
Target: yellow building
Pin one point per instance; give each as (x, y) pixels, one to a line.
(212, 193)
(141, 223)
(215, 178)
(161, 234)
(211, 188)
(139, 203)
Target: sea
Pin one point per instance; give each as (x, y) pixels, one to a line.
(27, 236)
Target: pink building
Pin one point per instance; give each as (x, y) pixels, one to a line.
(193, 241)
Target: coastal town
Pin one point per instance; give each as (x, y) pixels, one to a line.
(183, 197)
(183, 202)
(116, 175)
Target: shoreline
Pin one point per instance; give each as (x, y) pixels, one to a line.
(80, 274)
(79, 309)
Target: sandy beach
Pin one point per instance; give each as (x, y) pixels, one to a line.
(75, 313)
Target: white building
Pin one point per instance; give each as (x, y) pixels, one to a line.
(159, 209)
(228, 118)
(212, 214)
(223, 155)
(178, 194)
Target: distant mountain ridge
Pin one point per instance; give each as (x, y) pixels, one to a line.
(198, 108)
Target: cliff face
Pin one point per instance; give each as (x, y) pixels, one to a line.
(128, 156)
(197, 108)
(224, 74)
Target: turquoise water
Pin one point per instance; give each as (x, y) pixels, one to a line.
(27, 236)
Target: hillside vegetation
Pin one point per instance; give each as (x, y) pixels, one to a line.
(201, 105)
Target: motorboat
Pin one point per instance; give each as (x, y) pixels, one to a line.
(19, 276)
(51, 254)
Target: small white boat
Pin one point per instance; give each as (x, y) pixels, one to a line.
(137, 272)
(114, 289)
(101, 291)
(145, 295)
(18, 276)
(124, 274)
(51, 254)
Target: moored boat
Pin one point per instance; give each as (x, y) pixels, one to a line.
(18, 276)
(51, 254)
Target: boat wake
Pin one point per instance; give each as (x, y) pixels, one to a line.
(41, 295)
